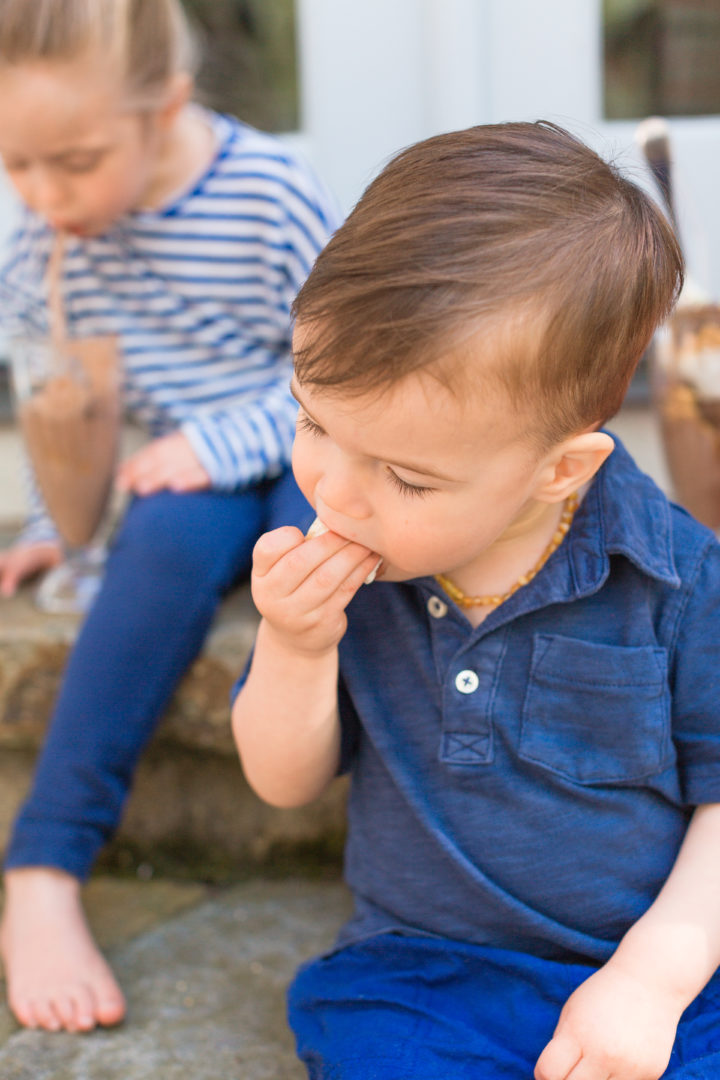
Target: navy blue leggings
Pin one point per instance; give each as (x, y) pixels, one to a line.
(173, 558)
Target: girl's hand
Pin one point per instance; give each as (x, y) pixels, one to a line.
(26, 560)
(614, 1025)
(302, 587)
(166, 463)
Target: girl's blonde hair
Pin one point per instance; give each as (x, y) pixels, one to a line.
(148, 41)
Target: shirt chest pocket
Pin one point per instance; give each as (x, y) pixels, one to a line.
(596, 713)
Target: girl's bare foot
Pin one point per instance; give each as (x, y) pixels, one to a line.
(57, 978)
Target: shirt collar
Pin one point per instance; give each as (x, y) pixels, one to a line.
(623, 513)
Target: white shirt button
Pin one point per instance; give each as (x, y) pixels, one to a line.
(436, 607)
(467, 682)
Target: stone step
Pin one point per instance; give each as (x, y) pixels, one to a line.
(190, 810)
(204, 980)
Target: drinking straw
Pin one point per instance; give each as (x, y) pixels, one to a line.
(58, 322)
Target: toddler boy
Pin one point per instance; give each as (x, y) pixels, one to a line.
(527, 698)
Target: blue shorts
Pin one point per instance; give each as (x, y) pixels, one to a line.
(395, 1007)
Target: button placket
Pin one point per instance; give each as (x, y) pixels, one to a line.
(468, 694)
(448, 635)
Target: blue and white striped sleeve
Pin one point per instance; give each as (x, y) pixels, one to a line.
(244, 444)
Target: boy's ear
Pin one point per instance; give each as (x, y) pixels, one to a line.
(571, 464)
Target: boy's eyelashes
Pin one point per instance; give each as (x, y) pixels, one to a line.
(304, 423)
(404, 487)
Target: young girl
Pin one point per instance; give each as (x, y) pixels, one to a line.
(187, 235)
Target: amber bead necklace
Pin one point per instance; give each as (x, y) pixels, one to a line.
(463, 600)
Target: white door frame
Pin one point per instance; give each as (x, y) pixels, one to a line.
(377, 75)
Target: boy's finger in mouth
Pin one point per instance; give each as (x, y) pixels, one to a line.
(318, 528)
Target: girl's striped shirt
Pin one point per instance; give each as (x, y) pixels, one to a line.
(199, 294)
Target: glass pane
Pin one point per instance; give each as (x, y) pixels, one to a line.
(248, 59)
(661, 57)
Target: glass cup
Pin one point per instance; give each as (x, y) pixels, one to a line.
(686, 392)
(68, 401)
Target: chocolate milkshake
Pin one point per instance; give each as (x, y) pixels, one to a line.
(71, 423)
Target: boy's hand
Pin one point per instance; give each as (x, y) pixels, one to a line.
(614, 1026)
(166, 463)
(302, 587)
(26, 560)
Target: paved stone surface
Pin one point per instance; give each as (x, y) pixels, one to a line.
(205, 991)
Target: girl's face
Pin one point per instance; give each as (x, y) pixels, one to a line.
(73, 152)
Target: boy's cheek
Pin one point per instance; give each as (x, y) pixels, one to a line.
(304, 477)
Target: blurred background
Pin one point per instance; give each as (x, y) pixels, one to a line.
(352, 82)
(356, 81)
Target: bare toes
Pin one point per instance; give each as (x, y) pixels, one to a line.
(83, 1012)
(66, 1007)
(46, 1016)
(110, 1008)
(23, 1012)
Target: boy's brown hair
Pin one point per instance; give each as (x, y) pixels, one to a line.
(518, 227)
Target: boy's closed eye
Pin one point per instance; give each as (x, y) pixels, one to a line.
(305, 423)
(405, 487)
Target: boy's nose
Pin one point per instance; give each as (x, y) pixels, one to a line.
(342, 495)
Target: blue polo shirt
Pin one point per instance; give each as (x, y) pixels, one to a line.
(527, 784)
